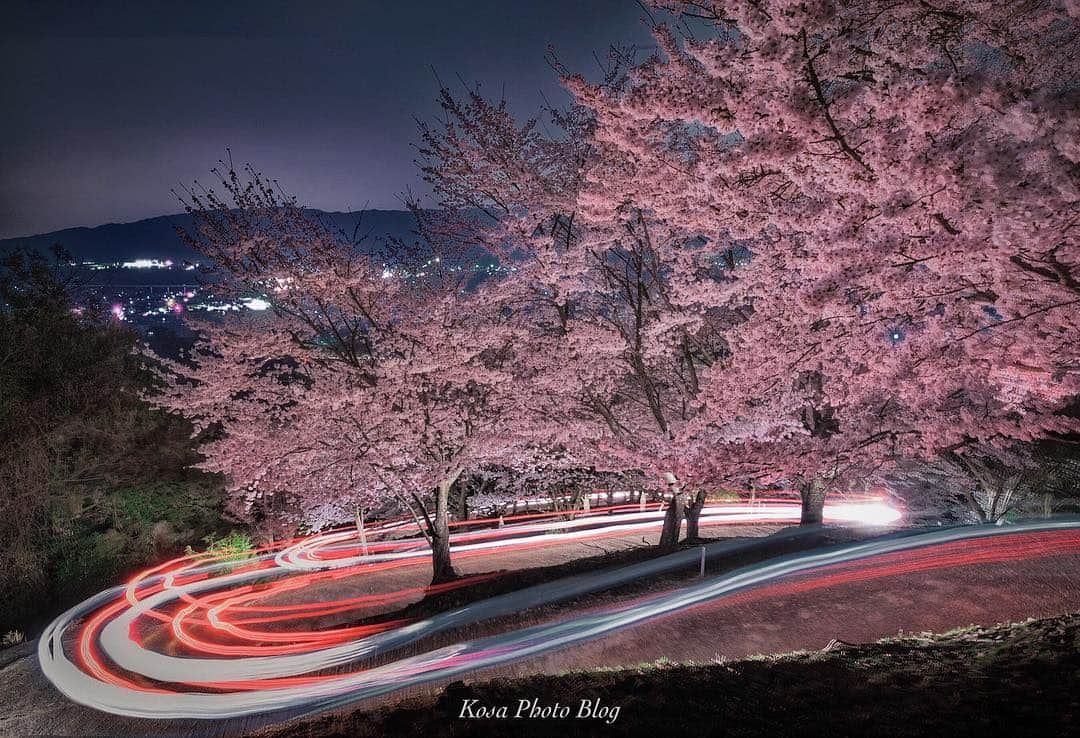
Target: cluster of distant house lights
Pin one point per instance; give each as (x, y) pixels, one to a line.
(176, 303)
(180, 302)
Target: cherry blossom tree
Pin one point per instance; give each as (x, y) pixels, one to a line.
(904, 176)
(364, 380)
(614, 311)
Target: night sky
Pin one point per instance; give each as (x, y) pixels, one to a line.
(107, 108)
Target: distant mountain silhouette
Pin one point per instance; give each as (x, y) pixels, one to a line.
(155, 238)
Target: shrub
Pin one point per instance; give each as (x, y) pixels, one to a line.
(233, 546)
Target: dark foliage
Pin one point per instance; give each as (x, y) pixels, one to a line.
(91, 477)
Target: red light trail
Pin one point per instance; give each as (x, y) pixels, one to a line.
(203, 638)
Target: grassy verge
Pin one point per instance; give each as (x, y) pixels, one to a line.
(1017, 679)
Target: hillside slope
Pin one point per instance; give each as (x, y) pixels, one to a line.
(1002, 680)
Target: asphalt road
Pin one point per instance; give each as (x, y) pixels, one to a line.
(852, 604)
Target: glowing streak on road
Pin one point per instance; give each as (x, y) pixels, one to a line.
(94, 654)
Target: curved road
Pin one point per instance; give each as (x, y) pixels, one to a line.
(231, 654)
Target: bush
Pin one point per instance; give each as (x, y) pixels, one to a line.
(12, 638)
(233, 546)
(114, 535)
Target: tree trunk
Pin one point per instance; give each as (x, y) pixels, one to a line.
(1000, 484)
(813, 502)
(575, 502)
(693, 514)
(669, 536)
(360, 529)
(462, 501)
(973, 503)
(441, 568)
(1003, 495)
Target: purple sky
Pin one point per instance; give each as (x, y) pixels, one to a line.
(108, 107)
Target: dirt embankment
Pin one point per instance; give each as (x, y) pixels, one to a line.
(1015, 680)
